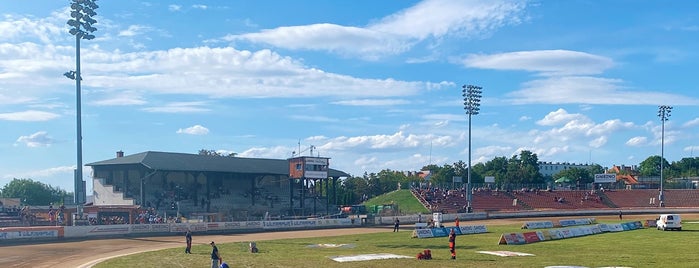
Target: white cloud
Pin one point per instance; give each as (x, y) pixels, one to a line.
(194, 130)
(398, 32)
(590, 90)
(567, 79)
(366, 161)
(120, 99)
(227, 72)
(372, 102)
(610, 126)
(492, 151)
(273, 152)
(134, 30)
(598, 142)
(363, 42)
(394, 141)
(13, 99)
(30, 115)
(560, 116)
(316, 118)
(38, 139)
(174, 7)
(546, 62)
(691, 123)
(437, 18)
(44, 173)
(179, 107)
(637, 141)
(202, 7)
(45, 30)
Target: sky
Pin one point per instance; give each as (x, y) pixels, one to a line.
(372, 85)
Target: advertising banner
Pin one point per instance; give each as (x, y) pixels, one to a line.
(537, 225)
(96, 230)
(423, 233)
(512, 239)
(605, 178)
(31, 232)
(573, 222)
(531, 237)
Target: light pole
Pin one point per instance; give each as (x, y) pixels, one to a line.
(81, 23)
(664, 114)
(472, 103)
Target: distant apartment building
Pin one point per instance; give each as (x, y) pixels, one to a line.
(548, 169)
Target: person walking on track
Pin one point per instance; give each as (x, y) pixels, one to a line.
(215, 256)
(188, 239)
(452, 244)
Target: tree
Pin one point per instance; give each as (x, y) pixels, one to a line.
(33, 192)
(580, 175)
(686, 167)
(352, 190)
(651, 166)
(523, 169)
(595, 169)
(497, 168)
(216, 153)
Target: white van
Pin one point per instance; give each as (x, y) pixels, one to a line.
(669, 221)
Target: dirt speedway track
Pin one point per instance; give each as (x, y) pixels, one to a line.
(86, 253)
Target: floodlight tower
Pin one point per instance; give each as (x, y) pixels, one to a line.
(81, 23)
(664, 114)
(472, 103)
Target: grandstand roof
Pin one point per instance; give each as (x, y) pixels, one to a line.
(207, 163)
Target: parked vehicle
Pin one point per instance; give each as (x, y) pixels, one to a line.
(669, 222)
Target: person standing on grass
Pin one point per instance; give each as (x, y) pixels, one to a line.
(396, 225)
(188, 239)
(215, 256)
(620, 215)
(452, 244)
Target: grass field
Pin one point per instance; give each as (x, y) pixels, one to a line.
(408, 203)
(638, 248)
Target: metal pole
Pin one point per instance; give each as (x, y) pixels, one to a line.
(664, 114)
(662, 156)
(79, 170)
(81, 23)
(472, 95)
(468, 184)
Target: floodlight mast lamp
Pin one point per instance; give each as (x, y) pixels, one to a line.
(81, 23)
(664, 114)
(472, 104)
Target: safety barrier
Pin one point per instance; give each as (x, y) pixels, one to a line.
(59, 232)
(562, 233)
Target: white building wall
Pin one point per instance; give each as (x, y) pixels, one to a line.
(105, 194)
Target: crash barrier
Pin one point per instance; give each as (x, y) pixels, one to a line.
(574, 222)
(537, 225)
(444, 231)
(58, 232)
(562, 223)
(562, 233)
(423, 218)
(651, 223)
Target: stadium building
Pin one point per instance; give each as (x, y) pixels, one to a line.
(217, 188)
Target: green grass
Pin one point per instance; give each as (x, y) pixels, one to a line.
(408, 203)
(638, 248)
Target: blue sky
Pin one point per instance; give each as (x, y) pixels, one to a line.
(371, 84)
